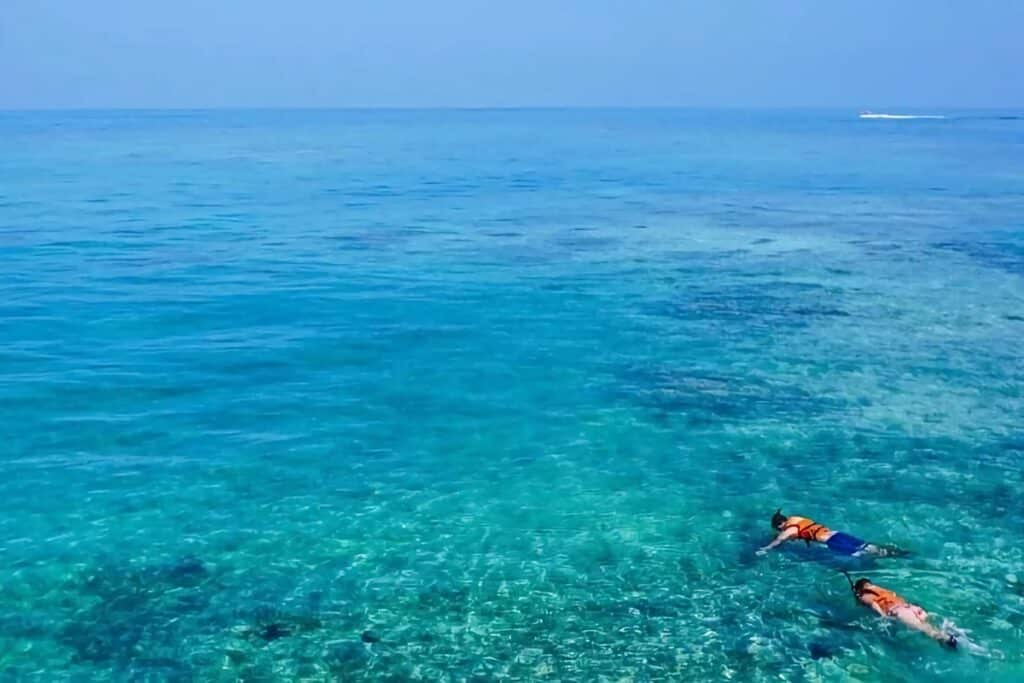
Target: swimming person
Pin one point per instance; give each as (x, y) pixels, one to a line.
(892, 606)
(809, 531)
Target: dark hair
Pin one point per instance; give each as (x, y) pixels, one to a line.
(860, 586)
(778, 519)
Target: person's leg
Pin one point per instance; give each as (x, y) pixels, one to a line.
(916, 618)
(883, 550)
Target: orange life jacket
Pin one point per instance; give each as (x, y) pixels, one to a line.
(885, 599)
(807, 529)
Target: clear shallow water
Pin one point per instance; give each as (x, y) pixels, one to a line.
(515, 391)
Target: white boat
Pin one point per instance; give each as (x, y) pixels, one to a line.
(872, 115)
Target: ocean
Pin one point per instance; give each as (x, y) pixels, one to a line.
(479, 395)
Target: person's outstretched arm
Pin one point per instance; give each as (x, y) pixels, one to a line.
(785, 535)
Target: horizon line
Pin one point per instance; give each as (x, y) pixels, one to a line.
(441, 108)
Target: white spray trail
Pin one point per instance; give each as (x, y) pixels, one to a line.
(965, 643)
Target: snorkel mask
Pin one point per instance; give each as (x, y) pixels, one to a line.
(778, 519)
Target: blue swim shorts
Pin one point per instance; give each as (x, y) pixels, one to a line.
(845, 544)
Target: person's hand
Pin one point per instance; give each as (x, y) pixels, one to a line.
(761, 552)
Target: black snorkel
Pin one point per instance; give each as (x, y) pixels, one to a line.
(853, 588)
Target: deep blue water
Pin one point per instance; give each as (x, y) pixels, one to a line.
(511, 394)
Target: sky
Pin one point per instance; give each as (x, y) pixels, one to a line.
(475, 53)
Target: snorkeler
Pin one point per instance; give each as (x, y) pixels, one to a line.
(892, 606)
(807, 530)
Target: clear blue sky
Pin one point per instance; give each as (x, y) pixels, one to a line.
(347, 53)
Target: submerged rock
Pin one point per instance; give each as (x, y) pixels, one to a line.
(819, 651)
(273, 631)
(187, 570)
(346, 656)
(126, 611)
(269, 624)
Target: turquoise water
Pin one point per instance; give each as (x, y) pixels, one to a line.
(510, 394)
